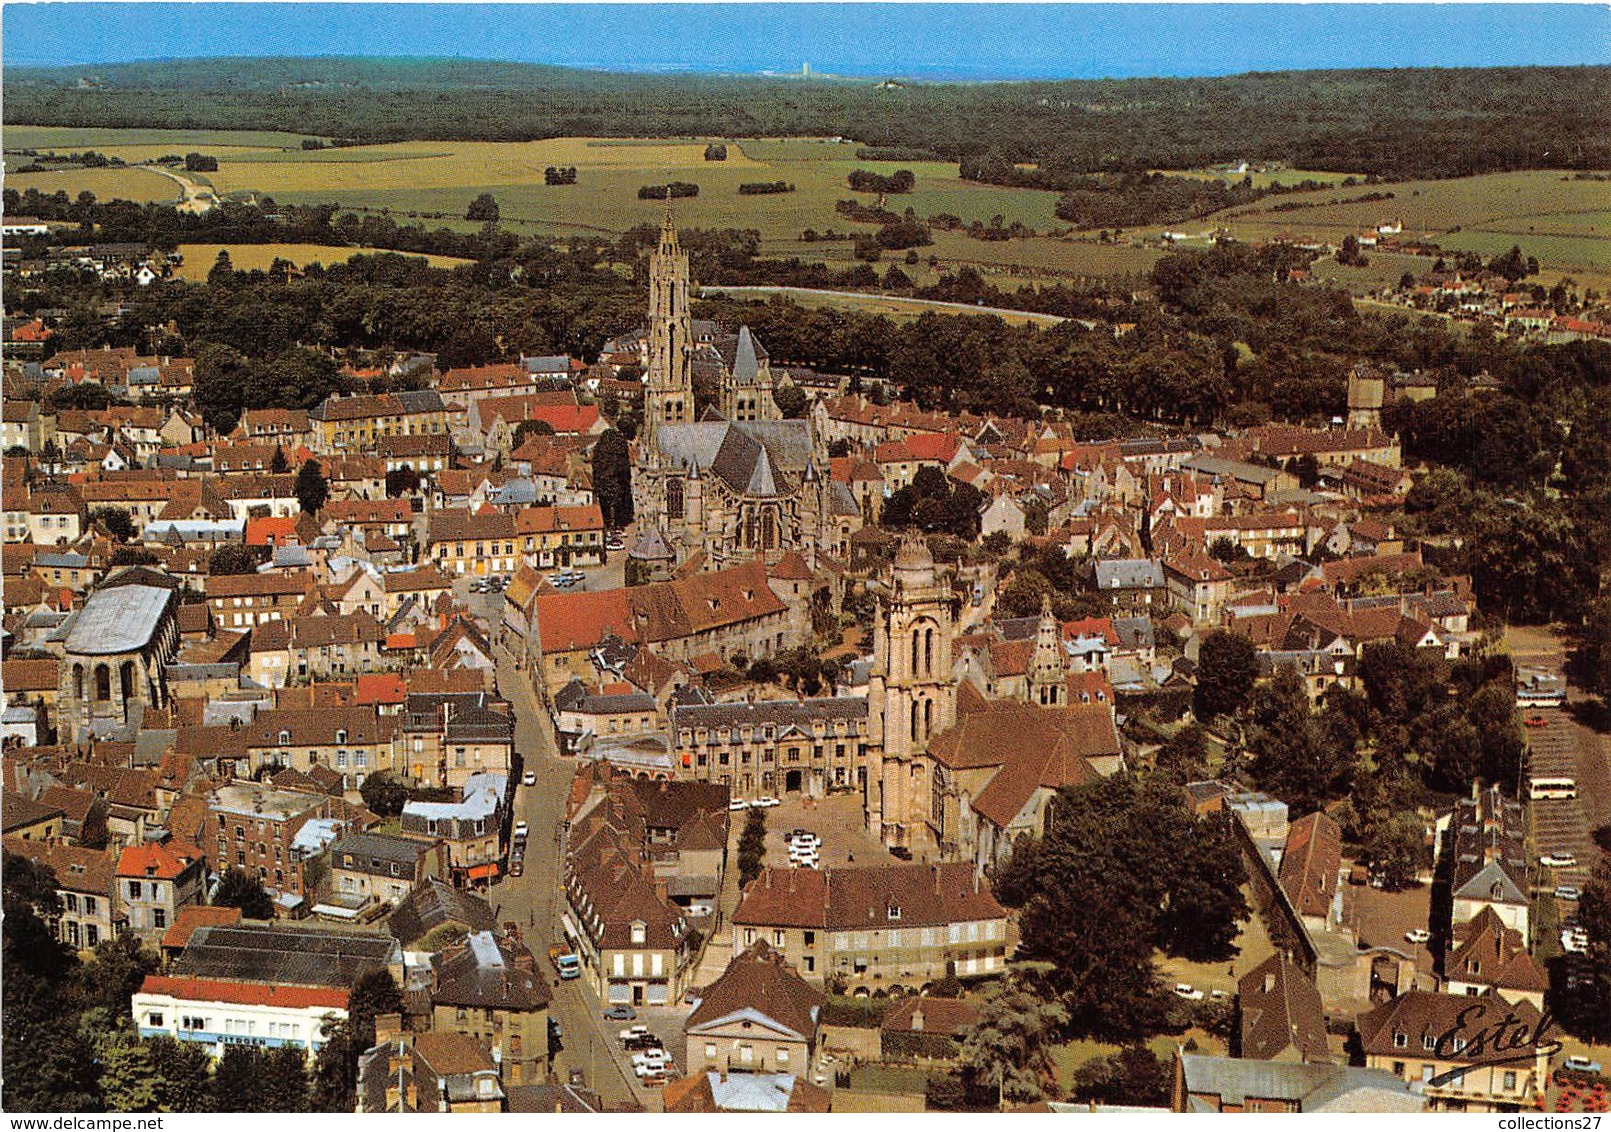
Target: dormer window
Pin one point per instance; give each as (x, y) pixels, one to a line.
(1400, 1040)
(1428, 1042)
(893, 912)
(285, 738)
(341, 735)
(640, 931)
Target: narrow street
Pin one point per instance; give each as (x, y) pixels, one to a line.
(534, 900)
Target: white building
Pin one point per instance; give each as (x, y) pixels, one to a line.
(221, 1012)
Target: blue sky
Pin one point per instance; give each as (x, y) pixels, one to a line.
(967, 41)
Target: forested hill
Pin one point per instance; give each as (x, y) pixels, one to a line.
(1393, 123)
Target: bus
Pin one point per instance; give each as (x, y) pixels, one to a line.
(1551, 788)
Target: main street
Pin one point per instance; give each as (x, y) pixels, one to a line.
(534, 899)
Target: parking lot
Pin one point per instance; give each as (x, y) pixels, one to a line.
(1559, 825)
(837, 819)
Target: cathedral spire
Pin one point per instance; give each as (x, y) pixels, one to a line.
(668, 228)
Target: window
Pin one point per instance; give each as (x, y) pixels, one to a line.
(91, 907)
(92, 935)
(1400, 1040)
(159, 917)
(783, 1056)
(810, 939)
(1428, 1042)
(1510, 1082)
(749, 936)
(154, 1018)
(134, 890)
(341, 735)
(70, 902)
(710, 1051)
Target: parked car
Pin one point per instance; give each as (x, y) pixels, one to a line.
(644, 1043)
(1535, 721)
(737, 804)
(522, 829)
(1567, 892)
(529, 778)
(517, 865)
(1578, 1064)
(634, 1031)
(1187, 991)
(765, 802)
(621, 1012)
(1418, 935)
(1558, 861)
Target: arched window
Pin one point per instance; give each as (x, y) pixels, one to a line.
(674, 502)
(914, 721)
(928, 652)
(128, 680)
(78, 681)
(928, 717)
(103, 682)
(769, 529)
(916, 635)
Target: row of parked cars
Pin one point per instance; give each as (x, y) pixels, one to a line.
(650, 1062)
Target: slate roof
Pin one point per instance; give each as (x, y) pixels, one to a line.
(434, 902)
(852, 898)
(733, 451)
(285, 955)
(1280, 1008)
(1129, 574)
(801, 714)
(759, 984)
(1309, 1088)
(118, 619)
(486, 974)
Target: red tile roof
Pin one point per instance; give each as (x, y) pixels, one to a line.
(161, 861)
(245, 994)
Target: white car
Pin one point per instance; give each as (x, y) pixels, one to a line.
(634, 1032)
(765, 802)
(529, 778)
(737, 804)
(1558, 861)
(1187, 991)
(1418, 935)
(522, 830)
(1575, 940)
(1567, 892)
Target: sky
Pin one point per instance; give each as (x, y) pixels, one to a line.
(955, 41)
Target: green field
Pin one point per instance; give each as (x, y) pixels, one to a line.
(1565, 222)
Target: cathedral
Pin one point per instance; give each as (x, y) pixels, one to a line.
(742, 483)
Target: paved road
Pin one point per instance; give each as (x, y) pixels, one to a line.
(534, 899)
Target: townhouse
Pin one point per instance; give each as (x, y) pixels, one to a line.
(891, 927)
(1431, 1039)
(561, 536)
(760, 1016)
(240, 601)
(470, 828)
(375, 868)
(448, 738)
(85, 885)
(354, 742)
(253, 827)
(154, 880)
(330, 646)
(489, 988)
(480, 543)
(357, 422)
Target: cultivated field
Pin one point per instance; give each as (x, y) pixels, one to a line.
(129, 183)
(1565, 222)
(199, 258)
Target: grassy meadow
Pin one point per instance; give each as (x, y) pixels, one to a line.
(128, 183)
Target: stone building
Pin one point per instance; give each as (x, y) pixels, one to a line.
(745, 485)
(812, 746)
(114, 649)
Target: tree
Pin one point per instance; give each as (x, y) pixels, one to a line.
(1394, 848)
(297, 378)
(1122, 868)
(1133, 1076)
(402, 481)
(1587, 1009)
(1009, 1047)
(791, 401)
(1291, 760)
(117, 521)
(383, 794)
(751, 847)
(279, 464)
(234, 558)
(239, 889)
(182, 1073)
(838, 448)
(1185, 757)
(612, 478)
(128, 1078)
(335, 1073)
(1227, 665)
(222, 272)
(311, 487)
(484, 208)
(526, 429)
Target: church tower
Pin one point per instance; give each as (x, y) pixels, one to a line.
(669, 394)
(911, 696)
(1048, 667)
(746, 393)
